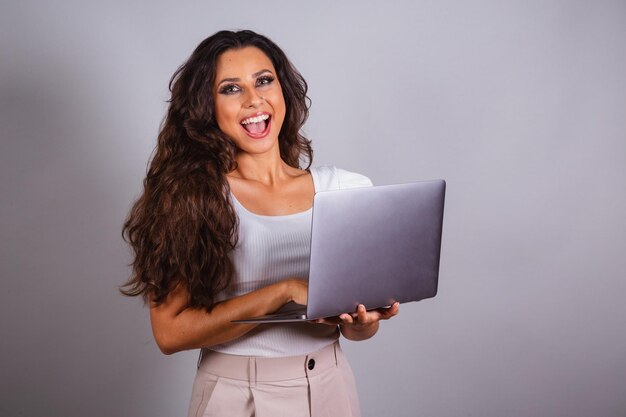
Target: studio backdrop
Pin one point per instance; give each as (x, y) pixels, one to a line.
(519, 105)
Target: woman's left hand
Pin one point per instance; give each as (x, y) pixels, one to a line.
(361, 324)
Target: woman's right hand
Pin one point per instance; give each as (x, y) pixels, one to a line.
(298, 290)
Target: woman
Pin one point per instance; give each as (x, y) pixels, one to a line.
(222, 232)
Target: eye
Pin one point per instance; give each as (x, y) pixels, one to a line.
(229, 89)
(264, 80)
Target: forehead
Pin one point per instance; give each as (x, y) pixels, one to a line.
(240, 63)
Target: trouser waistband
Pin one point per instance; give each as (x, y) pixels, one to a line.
(262, 369)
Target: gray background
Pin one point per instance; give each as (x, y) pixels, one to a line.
(520, 105)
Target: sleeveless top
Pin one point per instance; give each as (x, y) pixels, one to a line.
(272, 248)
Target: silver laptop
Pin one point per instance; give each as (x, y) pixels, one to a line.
(371, 246)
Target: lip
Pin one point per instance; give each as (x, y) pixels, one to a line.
(264, 133)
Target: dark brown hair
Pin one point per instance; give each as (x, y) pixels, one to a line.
(183, 226)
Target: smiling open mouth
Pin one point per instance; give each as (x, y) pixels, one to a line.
(256, 125)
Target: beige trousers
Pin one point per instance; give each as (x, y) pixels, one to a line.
(320, 384)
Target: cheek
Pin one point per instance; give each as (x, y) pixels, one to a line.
(225, 115)
(279, 102)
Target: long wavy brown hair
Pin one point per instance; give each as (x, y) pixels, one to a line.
(183, 226)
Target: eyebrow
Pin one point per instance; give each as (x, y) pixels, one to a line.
(256, 74)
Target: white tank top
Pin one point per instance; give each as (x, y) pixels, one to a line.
(272, 248)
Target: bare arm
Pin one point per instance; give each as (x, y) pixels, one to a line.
(177, 327)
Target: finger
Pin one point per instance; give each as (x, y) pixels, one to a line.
(388, 313)
(383, 313)
(346, 318)
(361, 313)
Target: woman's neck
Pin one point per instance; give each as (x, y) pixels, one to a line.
(269, 170)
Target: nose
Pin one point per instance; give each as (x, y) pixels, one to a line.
(253, 99)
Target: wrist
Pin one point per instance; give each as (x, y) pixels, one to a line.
(294, 290)
(289, 290)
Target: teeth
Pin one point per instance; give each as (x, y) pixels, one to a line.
(256, 119)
